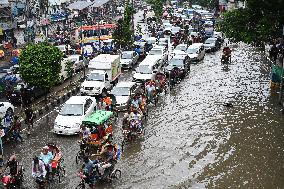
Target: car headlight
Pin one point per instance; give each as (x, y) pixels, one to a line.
(97, 88)
(77, 125)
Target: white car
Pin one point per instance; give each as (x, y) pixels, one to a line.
(123, 92)
(151, 40)
(6, 108)
(210, 44)
(73, 112)
(163, 42)
(167, 26)
(161, 51)
(181, 47)
(77, 60)
(196, 51)
(175, 30)
(128, 59)
(63, 49)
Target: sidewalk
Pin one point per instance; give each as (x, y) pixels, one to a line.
(55, 93)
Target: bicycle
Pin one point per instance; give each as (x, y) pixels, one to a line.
(115, 174)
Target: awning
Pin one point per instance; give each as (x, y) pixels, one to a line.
(99, 3)
(79, 5)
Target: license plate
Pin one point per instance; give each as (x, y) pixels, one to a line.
(13, 94)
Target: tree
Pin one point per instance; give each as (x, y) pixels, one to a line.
(157, 6)
(258, 23)
(69, 69)
(123, 34)
(40, 65)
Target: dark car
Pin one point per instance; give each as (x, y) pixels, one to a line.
(26, 93)
(181, 62)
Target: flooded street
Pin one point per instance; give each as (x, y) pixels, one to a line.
(192, 140)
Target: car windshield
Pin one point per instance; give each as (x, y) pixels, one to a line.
(72, 110)
(73, 59)
(175, 29)
(121, 91)
(126, 56)
(209, 41)
(181, 48)
(144, 69)
(95, 77)
(176, 62)
(155, 52)
(191, 51)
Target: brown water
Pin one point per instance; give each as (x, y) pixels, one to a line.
(192, 140)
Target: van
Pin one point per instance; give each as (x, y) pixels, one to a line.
(147, 69)
(196, 51)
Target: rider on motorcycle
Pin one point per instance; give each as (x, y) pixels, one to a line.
(227, 51)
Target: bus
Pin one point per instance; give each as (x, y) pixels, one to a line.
(94, 34)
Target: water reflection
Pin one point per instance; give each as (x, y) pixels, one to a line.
(192, 140)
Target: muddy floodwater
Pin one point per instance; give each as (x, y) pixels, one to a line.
(192, 140)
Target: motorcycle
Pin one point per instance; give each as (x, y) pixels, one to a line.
(226, 58)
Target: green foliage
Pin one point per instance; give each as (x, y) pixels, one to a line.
(261, 21)
(123, 35)
(40, 65)
(69, 68)
(157, 6)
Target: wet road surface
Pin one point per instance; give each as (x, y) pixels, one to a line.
(191, 139)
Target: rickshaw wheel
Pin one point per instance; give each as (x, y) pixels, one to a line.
(122, 145)
(77, 158)
(156, 100)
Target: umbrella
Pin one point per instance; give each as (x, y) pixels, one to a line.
(15, 60)
(165, 14)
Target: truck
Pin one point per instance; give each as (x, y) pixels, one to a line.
(104, 72)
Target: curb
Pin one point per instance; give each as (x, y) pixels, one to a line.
(51, 105)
